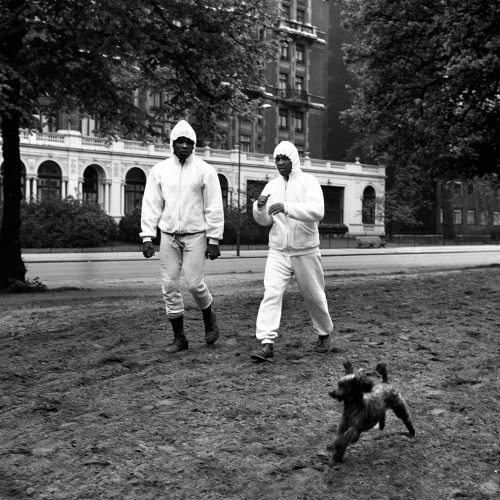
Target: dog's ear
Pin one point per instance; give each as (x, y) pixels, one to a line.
(364, 383)
(348, 366)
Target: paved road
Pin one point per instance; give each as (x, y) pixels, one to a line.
(115, 270)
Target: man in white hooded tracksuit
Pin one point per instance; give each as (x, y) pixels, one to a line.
(183, 199)
(293, 203)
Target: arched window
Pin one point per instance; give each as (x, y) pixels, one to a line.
(135, 182)
(49, 180)
(23, 182)
(223, 188)
(368, 209)
(89, 189)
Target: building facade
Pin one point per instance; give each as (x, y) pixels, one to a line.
(66, 159)
(114, 176)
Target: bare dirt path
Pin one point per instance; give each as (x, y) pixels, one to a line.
(92, 408)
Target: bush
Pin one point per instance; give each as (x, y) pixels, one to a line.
(68, 223)
(129, 228)
(250, 231)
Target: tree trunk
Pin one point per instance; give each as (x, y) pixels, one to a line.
(11, 263)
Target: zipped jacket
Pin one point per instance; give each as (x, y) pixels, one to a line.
(183, 198)
(296, 230)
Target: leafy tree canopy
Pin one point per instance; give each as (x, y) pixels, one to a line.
(428, 93)
(91, 57)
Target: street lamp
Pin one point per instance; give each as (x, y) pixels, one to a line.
(238, 221)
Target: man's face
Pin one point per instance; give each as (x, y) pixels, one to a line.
(183, 147)
(284, 165)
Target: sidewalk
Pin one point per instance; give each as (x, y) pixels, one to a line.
(245, 254)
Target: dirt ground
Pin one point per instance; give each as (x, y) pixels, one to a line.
(93, 408)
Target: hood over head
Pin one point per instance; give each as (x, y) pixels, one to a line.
(182, 129)
(288, 149)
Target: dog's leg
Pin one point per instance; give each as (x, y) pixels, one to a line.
(339, 446)
(381, 422)
(398, 406)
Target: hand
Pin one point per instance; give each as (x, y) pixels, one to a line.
(276, 209)
(148, 250)
(262, 200)
(212, 251)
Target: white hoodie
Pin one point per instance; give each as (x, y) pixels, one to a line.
(296, 230)
(182, 198)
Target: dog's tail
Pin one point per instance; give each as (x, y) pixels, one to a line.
(382, 369)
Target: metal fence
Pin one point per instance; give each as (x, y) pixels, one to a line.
(327, 241)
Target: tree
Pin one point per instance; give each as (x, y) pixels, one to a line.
(428, 92)
(91, 57)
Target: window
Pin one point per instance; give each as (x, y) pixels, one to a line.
(457, 216)
(285, 52)
(483, 219)
(299, 83)
(285, 11)
(135, 181)
(224, 189)
(245, 143)
(368, 206)
(49, 180)
(300, 54)
(334, 204)
(471, 216)
(283, 84)
(155, 100)
(90, 185)
(299, 121)
(301, 16)
(283, 119)
(496, 218)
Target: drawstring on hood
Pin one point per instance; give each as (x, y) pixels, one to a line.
(288, 149)
(182, 129)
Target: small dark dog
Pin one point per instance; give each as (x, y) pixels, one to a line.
(365, 404)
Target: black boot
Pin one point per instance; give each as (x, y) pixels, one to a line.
(264, 354)
(180, 342)
(211, 328)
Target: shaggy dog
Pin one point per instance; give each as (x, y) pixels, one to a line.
(365, 404)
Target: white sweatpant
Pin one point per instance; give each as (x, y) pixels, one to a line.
(310, 278)
(183, 252)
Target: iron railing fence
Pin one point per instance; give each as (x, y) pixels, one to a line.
(328, 241)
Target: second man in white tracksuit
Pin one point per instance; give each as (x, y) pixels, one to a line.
(293, 203)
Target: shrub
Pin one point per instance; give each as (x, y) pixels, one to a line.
(129, 228)
(57, 223)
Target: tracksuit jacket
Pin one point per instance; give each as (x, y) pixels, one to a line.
(182, 198)
(295, 231)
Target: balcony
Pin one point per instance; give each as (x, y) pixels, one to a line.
(293, 95)
(293, 28)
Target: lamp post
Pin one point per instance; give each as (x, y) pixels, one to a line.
(238, 220)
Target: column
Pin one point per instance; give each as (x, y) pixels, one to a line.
(80, 188)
